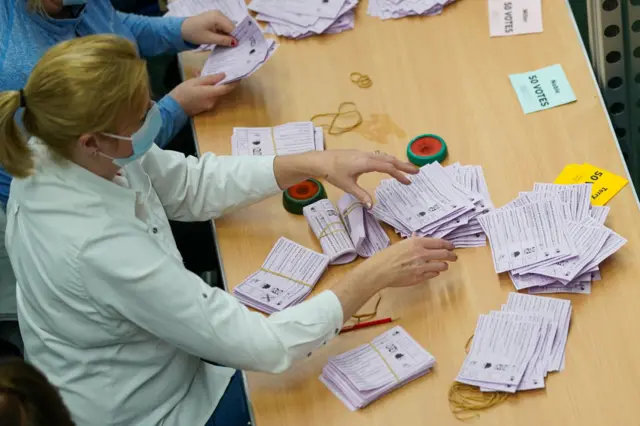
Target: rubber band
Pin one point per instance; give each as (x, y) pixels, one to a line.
(363, 81)
(465, 401)
(386, 363)
(324, 232)
(370, 315)
(277, 274)
(351, 208)
(333, 128)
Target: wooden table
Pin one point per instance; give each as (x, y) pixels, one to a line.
(446, 76)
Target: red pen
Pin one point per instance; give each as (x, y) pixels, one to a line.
(365, 325)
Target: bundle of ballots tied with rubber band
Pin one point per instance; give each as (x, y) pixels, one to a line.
(394, 9)
(441, 202)
(551, 240)
(303, 18)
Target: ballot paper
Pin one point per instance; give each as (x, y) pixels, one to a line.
(551, 240)
(286, 278)
(299, 22)
(235, 10)
(372, 370)
(238, 62)
(514, 17)
(542, 89)
(394, 9)
(326, 224)
(291, 138)
(365, 231)
(514, 349)
(441, 202)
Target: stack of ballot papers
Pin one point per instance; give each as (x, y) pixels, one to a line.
(252, 51)
(347, 232)
(370, 371)
(291, 138)
(551, 240)
(441, 202)
(394, 9)
(235, 10)
(514, 349)
(304, 18)
(286, 278)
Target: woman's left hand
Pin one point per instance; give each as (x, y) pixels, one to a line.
(342, 168)
(209, 28)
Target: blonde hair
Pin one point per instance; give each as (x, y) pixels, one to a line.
(36, 6)
(85, 85)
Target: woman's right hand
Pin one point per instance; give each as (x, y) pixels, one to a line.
(201, 94)
(407, 263)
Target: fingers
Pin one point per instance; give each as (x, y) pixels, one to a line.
(441, 255)
(390, 169)
(430, 275)
(362, 195)
(400, 165)
(210, 80)
(219, 39)
(223, 24)
(433, 267)
(435, 243)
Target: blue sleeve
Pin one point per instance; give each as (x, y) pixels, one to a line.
(173, 119)
(156, 36)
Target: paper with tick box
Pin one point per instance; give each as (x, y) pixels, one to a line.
(290, 138)
(238, 62)
(542, 89)
(370, 371)
(441, 202)
(285, 279)
(551, 239)
(394, 9)
(345, 232)
(515, 348)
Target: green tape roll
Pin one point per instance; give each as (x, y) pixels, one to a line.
(301, 195)
(425, 149)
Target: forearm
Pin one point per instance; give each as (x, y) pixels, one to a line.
(353, 291)
(292, 169)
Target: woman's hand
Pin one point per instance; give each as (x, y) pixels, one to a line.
(201, 94)
(407, 263)
(208, 28)
(341, 168)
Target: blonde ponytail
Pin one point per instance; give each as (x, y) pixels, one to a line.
(15, 155)
(82, 86)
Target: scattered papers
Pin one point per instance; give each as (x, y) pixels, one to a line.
(345, 235)
(286, 278)
(514, 349)
(394, 9)
(291, 138)
(551, 238)
(252, 51)
(514, 17)
(370, 371)
(542, 89)
(296, 19)
(604, 184)
(441, 202)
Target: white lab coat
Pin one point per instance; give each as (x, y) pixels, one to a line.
(108, 311)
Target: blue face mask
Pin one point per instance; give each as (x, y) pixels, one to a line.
(73, 2)
(142, 140)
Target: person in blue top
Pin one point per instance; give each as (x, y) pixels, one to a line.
(28, 28)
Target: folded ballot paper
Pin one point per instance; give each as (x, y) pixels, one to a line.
(285, 279)
(441, 202)
(551, 240)
(370, 371)
(291, 138)
(300, 19)
(394, 9)
(252, 51)
(346, 232)
(514, 349)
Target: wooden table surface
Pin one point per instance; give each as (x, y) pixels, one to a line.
(443, 75)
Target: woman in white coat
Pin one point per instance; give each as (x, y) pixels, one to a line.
(106, 308)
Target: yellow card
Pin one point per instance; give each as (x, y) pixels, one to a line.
(605, 184)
